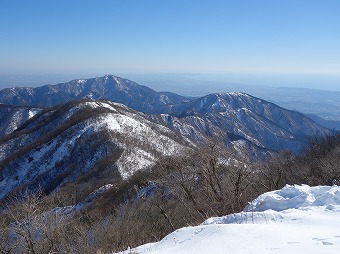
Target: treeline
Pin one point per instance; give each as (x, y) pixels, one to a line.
(209, 180)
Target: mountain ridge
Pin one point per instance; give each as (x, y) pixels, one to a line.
(63, 143)
(241, 115)
(108, 87)
(235, 116)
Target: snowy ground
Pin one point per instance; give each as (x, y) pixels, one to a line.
(295, 219)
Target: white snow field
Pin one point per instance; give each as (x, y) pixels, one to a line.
(295, 219)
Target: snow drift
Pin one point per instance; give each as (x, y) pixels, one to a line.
(295, 219)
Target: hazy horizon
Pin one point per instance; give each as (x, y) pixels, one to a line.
(54, 41)
(185, 83)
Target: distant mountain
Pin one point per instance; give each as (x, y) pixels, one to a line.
(109, 87)
(68, 142)
(240, 117)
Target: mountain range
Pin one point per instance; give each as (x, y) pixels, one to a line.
(236, 116)
(112, 127)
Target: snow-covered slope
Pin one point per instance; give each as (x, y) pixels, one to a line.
(63, 143)
(296, 219)
(12, 117)
(239, 118)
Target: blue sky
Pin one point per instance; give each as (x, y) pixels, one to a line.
(177, 36)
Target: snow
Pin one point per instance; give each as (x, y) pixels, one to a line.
(89, 104)
(295, 219)
(296, 197)
(119, 85)
(33, 112)
(12, 118)
(92, 196)
(136, 136)
(98, 104)
(69, 210)
(134, 160)
(134, 157)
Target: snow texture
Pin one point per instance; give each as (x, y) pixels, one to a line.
(295, 219)
(138, 138)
